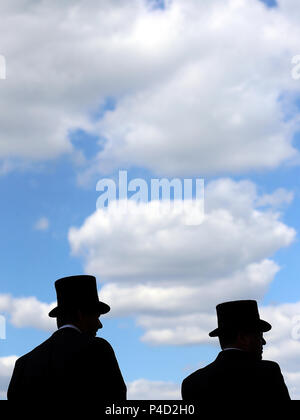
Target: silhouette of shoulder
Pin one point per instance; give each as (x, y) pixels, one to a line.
(235, 375)
(68, 342)
(273, 369)
(269, 364)
(200, 373)
(100, 347)
(101, 343)
(261, 365)
(64, 362)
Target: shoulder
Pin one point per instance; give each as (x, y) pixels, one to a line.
(99, 352)
(101, 342)
(198, 375)
(267, 370)
(20, 361)
(32, 353)
(270, 366)
(100, 345)
(194, 384)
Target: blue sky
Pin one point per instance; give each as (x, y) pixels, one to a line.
(150, 91)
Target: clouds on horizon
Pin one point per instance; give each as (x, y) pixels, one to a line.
(143, 389)
(6, 368)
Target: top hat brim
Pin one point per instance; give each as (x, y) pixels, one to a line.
(101, 307)
(262, 326)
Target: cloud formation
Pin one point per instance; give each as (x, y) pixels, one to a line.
(197, 88)
(169, 275)
(27, 312)
(223, 104)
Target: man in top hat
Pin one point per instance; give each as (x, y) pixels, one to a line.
(73, 364)
(238, 373)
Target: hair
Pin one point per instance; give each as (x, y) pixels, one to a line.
(71, 316)
(228, 338)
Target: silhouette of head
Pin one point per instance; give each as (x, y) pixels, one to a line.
(78, 303)
(239, 326)
(87, 322)
(250, 341)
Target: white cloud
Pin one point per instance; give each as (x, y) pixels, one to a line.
(143, 389)
(219, 109)
(170, 276)
(42, 224)
(175, 299)
(6, 368)
(61, 64)
(276, 199)
(27, 312)
(293, 382)
(143, 244)
(197, 85)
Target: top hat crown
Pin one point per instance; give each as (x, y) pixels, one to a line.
(77, 292)
(239, 314)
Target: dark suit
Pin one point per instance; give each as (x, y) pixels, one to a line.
(69, 365)
(236, 376)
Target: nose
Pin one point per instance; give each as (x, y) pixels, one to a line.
(99, 324)
(263, 341)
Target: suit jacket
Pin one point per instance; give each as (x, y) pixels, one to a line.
(236, 376)
(69, 365)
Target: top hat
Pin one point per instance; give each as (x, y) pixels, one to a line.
(77, 292)
(239, 315)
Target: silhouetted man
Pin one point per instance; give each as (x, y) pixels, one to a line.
(238, 373)
(73, 364)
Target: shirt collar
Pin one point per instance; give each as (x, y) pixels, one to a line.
(232, 348)
(70, 326)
